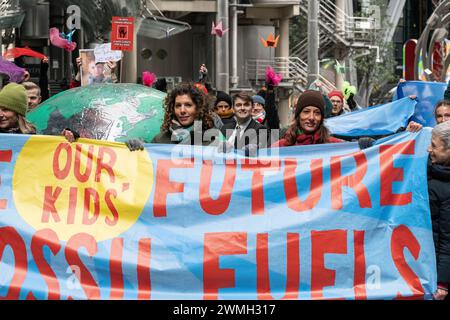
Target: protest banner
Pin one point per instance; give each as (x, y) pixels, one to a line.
(428, 95)
(92, 220)
(374, 121)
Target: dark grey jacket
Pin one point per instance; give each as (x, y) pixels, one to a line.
(252, 135)
(439, 193)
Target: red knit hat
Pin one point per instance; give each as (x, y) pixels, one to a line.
(336, 93)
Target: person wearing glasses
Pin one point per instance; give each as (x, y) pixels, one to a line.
(337, 99)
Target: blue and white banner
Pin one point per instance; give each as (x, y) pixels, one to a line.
(374, 121)
(92, 220)
(428, 95)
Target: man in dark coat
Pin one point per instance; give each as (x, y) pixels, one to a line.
(246, 134)
(439, 194)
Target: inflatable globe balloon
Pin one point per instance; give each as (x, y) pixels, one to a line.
(113, 112)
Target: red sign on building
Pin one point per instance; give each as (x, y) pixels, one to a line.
(122, 37)
(409, 59)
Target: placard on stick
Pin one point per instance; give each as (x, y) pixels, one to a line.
(122, 37)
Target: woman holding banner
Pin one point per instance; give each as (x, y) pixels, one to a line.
(13, 109)
(439, 194)
(183, 107)
(308, 127)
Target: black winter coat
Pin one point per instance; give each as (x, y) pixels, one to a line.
(439, 193)
(272, 120)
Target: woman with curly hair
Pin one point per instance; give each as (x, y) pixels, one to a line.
(184, 106)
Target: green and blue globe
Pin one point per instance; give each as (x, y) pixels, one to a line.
(113, 112)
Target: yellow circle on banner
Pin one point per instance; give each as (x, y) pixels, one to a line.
(84, 187)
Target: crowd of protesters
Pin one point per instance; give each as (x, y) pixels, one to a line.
(249, 122)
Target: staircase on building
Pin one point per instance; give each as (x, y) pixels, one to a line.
(346, 32)
(336, 28)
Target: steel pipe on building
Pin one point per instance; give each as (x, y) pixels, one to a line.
(313, 41)
(234, 79)
(222, 49)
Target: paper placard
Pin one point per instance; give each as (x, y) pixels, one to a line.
(103, 53)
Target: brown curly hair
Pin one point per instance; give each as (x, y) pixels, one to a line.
(200, 100)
